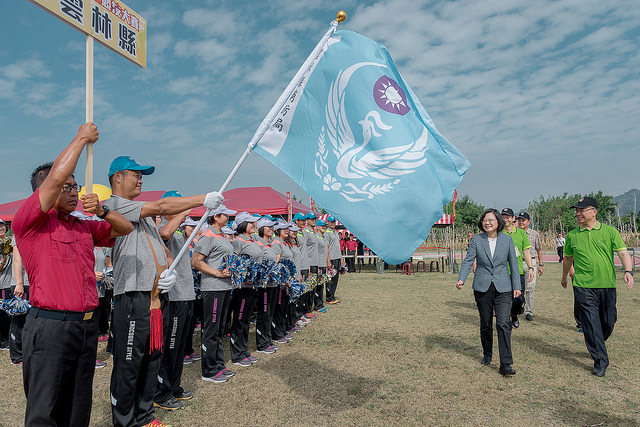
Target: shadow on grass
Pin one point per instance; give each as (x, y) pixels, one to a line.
(560, 353)
(553, 322)
(574, 414)
(331, 386)
(460, 304)
(457, 345)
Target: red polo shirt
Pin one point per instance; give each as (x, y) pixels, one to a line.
(57, 254)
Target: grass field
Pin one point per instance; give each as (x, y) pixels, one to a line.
(405, 350)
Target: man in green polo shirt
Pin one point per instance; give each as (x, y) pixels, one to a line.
(589, 248)
(522, 245)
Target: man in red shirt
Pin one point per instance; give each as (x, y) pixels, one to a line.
(60, 335)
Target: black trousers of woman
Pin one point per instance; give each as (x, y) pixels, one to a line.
(243, 303)
(501, 302)
(215, 307)
(266, 305)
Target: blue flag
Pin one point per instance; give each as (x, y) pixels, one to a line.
(355, 137)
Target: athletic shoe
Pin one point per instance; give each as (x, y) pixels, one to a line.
(228, 372)
(296, 328)
(103, 338)
(323, 310)
(187, 360)
(268, 350)
(253, 358)
(528, 317)
(274, 346)
(301, 323)
(156, 423)
(282, 340)
(336, 301)
(171, 404)
(579, 330)
(195, 357)
(100, 364)
(220, 377)
(289, 337)
(16, 363)
(185, 395)
(4, 348)
(244, 362)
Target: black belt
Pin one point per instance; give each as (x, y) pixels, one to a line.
(60, 314)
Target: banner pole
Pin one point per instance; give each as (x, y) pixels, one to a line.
(89, 114)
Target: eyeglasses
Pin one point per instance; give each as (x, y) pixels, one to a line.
(487, 221)
(67, 188)
(582, 210)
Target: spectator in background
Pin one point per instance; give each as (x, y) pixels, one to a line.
(536, 258)
(351, 246)
(560, 246)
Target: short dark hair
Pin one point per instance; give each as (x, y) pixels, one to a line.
(498, 218)
(39, 174)
(242, 228)
(261, 231)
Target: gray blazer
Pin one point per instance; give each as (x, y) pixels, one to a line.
(490, 269)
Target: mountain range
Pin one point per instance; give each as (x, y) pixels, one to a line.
(625, 201)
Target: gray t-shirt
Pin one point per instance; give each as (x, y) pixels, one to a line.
(214, 247)
(100, 255)
(134, 268)
(333, 242)
(282, 249)
(183, 289)
(245, 246)
(312, 246)
(25, 278)
(322, 251)
(303, 261)
(295, 250)
(6, 275)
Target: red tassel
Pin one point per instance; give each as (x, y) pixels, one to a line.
(157, 335)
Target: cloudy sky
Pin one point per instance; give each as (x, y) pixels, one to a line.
(542, 97)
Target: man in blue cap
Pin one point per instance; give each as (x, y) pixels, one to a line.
(335, 256)
(140, 263)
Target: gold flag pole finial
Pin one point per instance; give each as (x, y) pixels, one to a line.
(341, 16)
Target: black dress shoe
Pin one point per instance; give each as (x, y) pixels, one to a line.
(598, 372)
(485, 360)
(515, 322)
(528, 317)
(507, 370)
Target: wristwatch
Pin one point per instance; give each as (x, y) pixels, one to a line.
(630, 272)
(105, 213)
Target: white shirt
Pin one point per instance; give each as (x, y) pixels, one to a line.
(492, 244)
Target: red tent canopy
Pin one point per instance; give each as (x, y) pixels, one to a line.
(262, 200)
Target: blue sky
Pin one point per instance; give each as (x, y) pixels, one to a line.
(541, 97)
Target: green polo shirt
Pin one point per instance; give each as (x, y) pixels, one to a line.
(521, 242)
(592, 252)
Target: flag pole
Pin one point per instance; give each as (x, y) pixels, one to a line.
(264, 126)
(88, 175)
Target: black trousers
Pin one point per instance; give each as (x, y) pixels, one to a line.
(517, 307)
(103, 312)
(266, 305)
(215, 307)
(175, 336)
(561, 253)
(318, 294)
(15, 331)
(57, 370)
(598, 315)
(243, 303)
(135, 367)
(195, 319)
(5, 320)
(501, 302)
(331, 287)
(280, 314)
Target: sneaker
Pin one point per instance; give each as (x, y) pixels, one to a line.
(253, 358)
(274, 346)
(4, 348)
(100, 364)
(268, 350)
(289, 337)
(244, 362)
(103, 338)
(16, 363)
(156, 423)
(195, 357)
(220, 377)
(323, 310)
(185, 395)
(296, 329)
(301, 323)
(311, 316)
(579, 330)
(171, 404)
(187, 360)
(228, 372)
(282, 340)
(336, 301)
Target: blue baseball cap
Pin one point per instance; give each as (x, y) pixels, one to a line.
(123, 163)
(270, 217)
(321, 223)
(257, 215)
(330, 218)
(311, 215)
(171, 194)
(299, 216)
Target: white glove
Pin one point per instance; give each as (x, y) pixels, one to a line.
(213, 200)
(167, 281)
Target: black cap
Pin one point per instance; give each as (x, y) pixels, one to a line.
(507, 211)
(586, 202)
(524, 215)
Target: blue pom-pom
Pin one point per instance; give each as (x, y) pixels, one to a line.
(15, 306)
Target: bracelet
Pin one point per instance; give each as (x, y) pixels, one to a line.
(630, 272)
(541, 264)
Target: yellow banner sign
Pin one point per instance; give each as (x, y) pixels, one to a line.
(110, 22)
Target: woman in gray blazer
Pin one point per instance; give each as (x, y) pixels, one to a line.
(495, 283)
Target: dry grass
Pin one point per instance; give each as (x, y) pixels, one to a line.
(405, 350)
